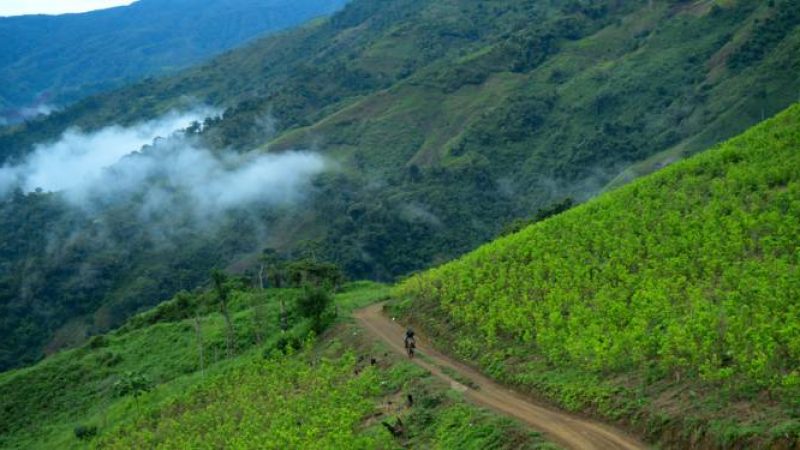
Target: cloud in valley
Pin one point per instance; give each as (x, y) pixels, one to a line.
(76, 162)
(161, 168)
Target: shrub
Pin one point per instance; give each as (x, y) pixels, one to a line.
(85, 432)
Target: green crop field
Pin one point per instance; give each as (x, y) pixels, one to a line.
(279, 403)
(689, 275)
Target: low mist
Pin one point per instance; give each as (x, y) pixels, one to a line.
(178, 173)
(155, 166)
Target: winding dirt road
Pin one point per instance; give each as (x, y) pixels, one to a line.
(564, 429)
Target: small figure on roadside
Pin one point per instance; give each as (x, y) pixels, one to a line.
(409, 342)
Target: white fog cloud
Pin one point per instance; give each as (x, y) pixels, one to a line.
(110, 165)
(179, 174)
(77, 160)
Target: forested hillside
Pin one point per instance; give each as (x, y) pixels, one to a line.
(48, 61)
(440, 121)
(671, 303)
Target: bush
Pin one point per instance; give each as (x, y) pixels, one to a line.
(314, 304)
(85, 432)
(98, 341)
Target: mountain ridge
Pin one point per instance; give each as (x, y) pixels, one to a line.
(55, 60)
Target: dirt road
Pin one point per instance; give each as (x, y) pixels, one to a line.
(564, 429)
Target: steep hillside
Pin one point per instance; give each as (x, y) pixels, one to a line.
(670, 303)
(54, 60)
(165, 380)
(442, 121)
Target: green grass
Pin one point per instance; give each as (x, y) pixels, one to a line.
(686, 279)
(360, 294)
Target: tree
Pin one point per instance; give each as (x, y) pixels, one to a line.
(276, 274)
(199, 334)
(316, 273)
(134, 384)
(314, 304)
(223, 291)
(259, 318)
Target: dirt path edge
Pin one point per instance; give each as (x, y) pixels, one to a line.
(567, 430)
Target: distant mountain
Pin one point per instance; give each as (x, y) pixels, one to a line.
(47, 60)
(444, 120)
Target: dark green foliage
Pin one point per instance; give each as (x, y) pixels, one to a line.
(221, 286)
(133, 384)
(114, 262)
(179, 308)
(96, 342)
(85, 432)
(279, 271)
(287, 345)
(544, 213)
(222, 289)
(767, 34)
(316, 273)
(315, 304)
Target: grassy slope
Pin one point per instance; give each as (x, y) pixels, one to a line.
(670, 303)
(258, 399)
